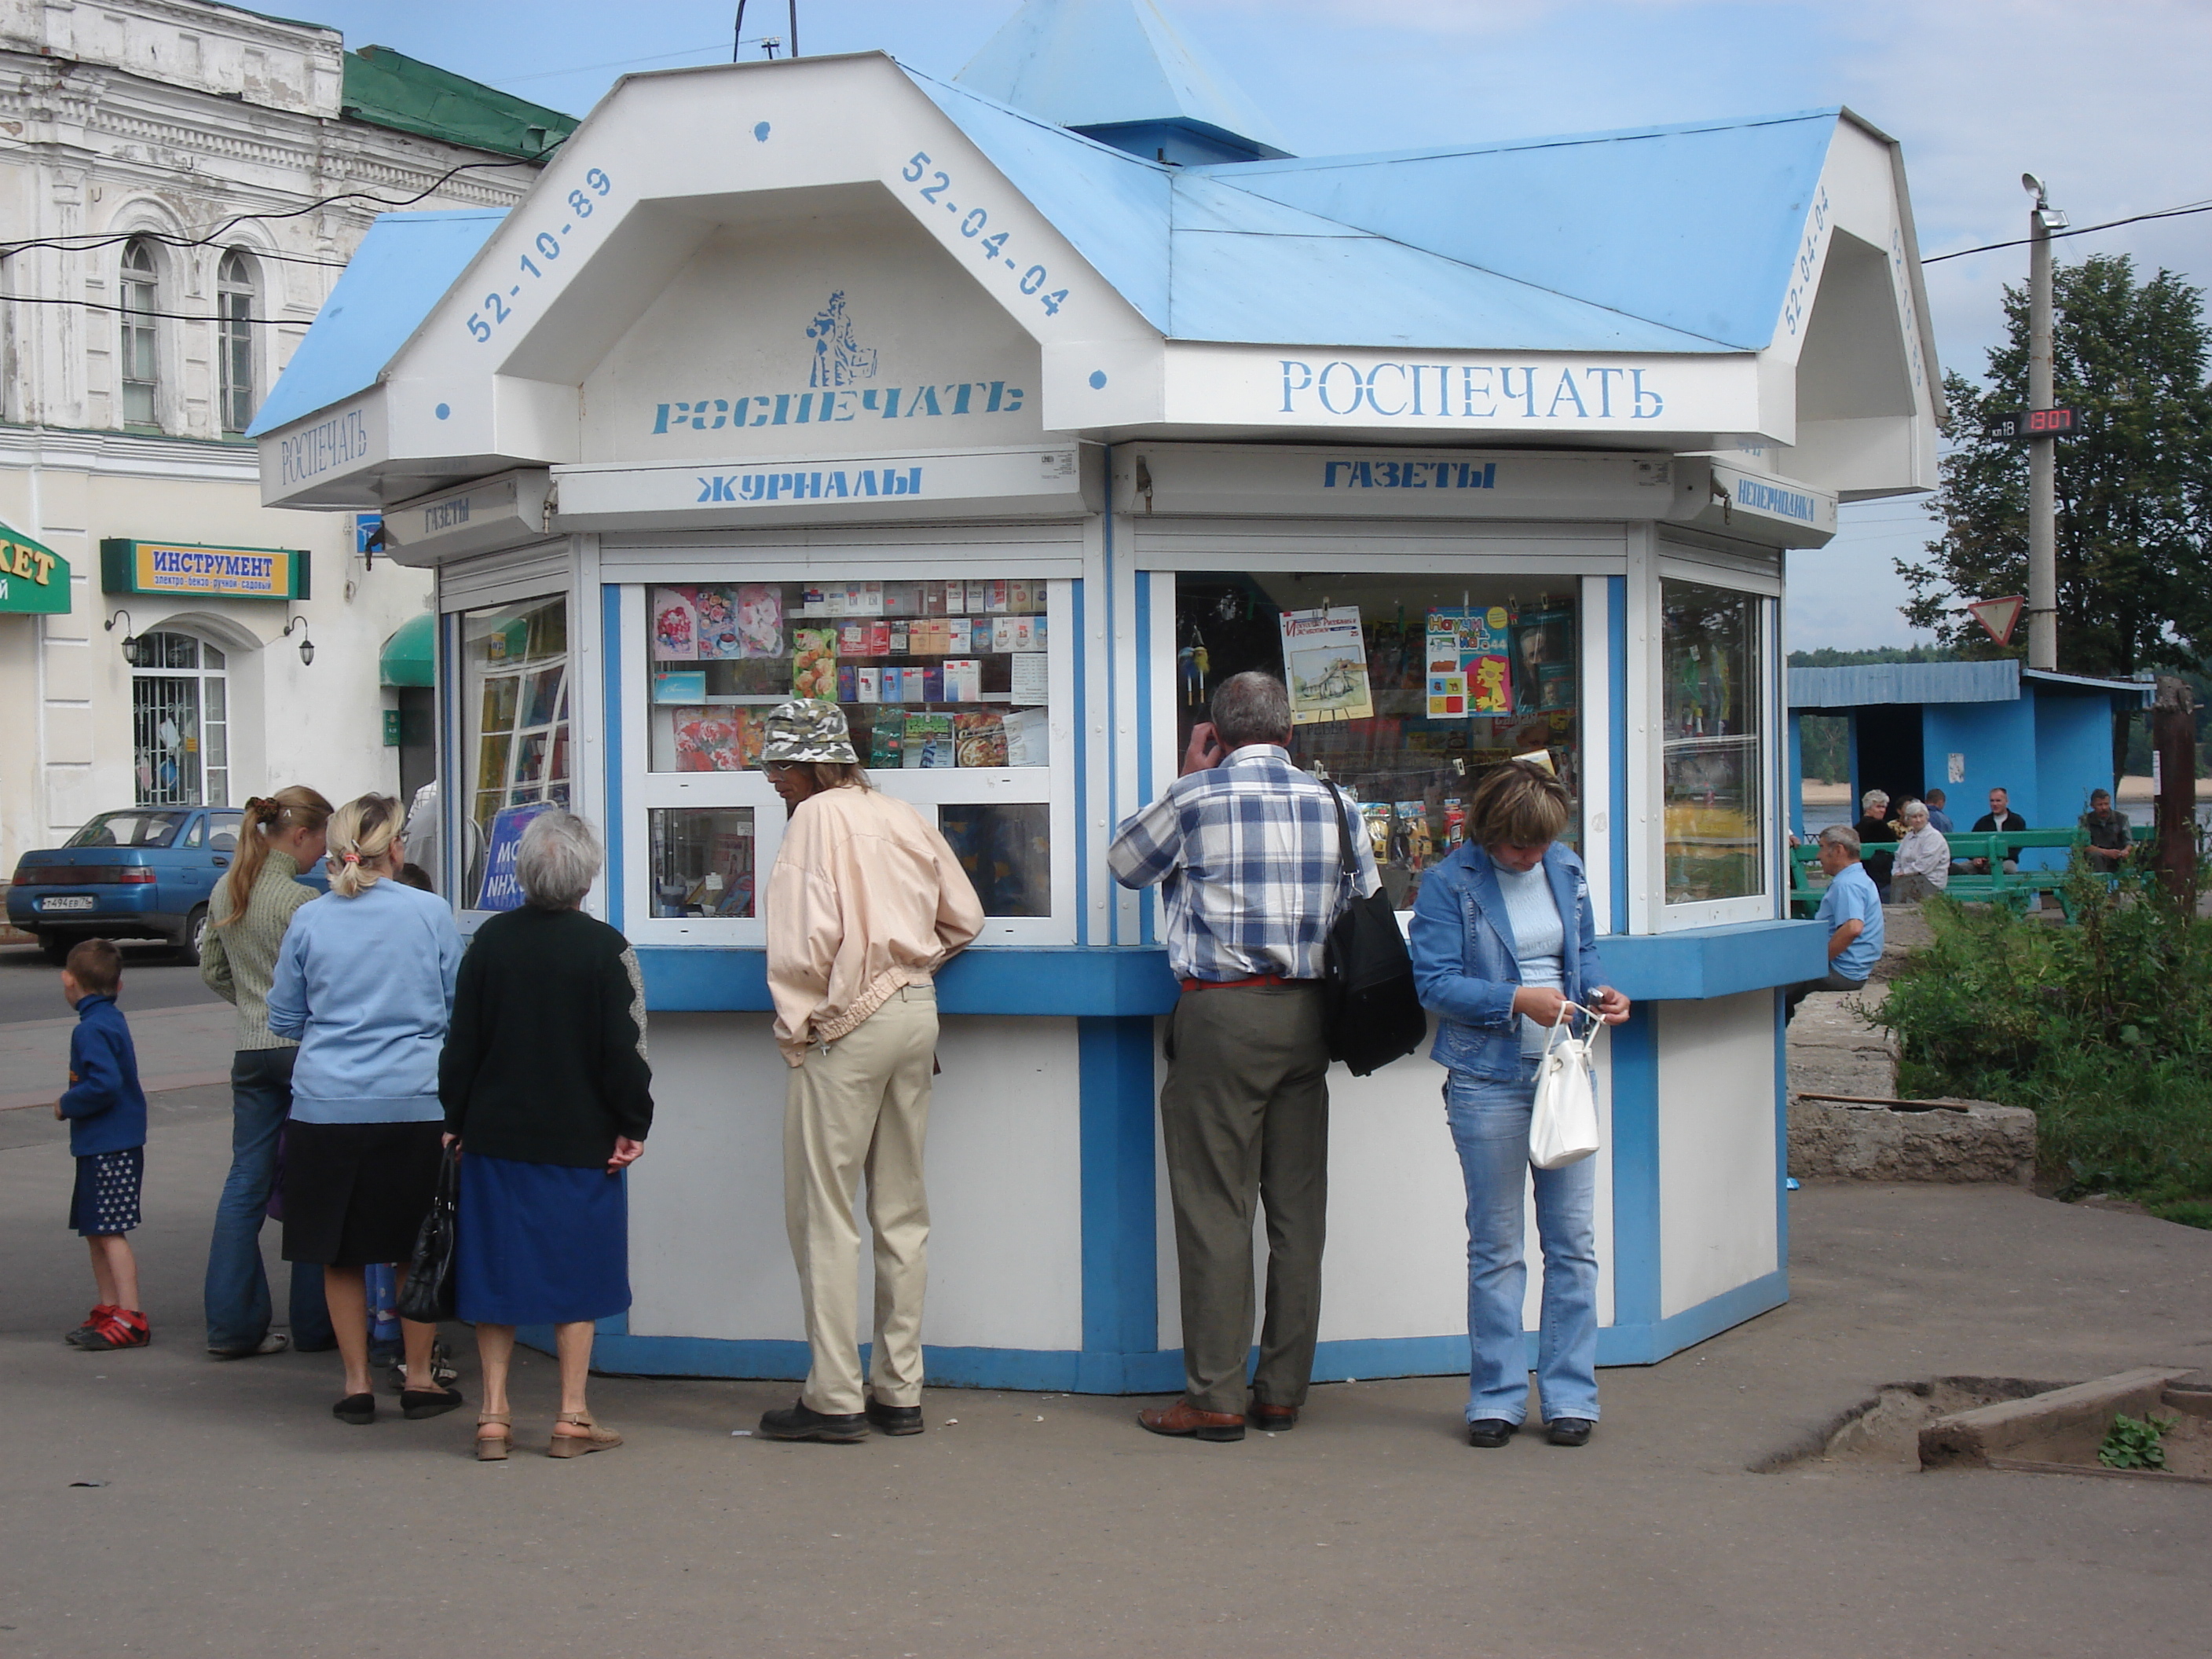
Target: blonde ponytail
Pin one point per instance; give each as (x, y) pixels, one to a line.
(361, 833)
(267, 817)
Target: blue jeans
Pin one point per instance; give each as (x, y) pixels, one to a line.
(237, 1293)
(1490, 1126)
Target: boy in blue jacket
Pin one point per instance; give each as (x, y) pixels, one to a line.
(106, 1113)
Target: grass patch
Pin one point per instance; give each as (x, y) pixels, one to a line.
(2103, 1029)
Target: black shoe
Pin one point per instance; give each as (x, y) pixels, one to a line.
(1490, 1433)
(274, 1342)
(799, 1421)
(1569, 1430)
(356, 1408)
(894, 1420)
(415, 1404)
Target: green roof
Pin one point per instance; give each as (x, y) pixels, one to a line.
(388, 89)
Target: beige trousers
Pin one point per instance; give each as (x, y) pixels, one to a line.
(862, 1106)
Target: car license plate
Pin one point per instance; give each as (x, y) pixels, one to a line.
(81, 902)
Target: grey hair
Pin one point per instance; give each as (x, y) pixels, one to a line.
(1912, 809)
(1843, 835)
(1251, 708)
(557, 861)
(1873, 798)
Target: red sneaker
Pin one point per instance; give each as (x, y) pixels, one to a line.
(125, 1327)
(93, 1320)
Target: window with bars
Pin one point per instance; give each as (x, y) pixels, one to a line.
(234, 296)
(181, 722)
(139, 362)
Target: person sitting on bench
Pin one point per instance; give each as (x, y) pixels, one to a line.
(1923, 868)
(2109, 840)
(2001, 819)
(1853, 910)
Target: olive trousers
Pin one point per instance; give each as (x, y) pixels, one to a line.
(1244, 1115)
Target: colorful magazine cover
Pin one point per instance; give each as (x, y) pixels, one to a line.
(675, 626)
(929, 743)
(814, 663)
(716, 618)
(1325, 655)
(887, 742)
(980, 739)
(708, 740)
(760, 621)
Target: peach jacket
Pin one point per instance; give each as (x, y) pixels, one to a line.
(865, 897)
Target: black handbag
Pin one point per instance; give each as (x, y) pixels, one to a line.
(427, 1295)
(1373, 1013)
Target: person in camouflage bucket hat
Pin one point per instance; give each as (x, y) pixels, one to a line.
(806, 729)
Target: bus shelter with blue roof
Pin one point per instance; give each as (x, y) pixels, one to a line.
(1015, 412)
(1966, 728)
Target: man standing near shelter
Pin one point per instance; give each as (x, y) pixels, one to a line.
(1248, 853)
(1851, 910)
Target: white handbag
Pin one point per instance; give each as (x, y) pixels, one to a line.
(1563, 1125)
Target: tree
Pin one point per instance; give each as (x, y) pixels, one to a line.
(2135, 485)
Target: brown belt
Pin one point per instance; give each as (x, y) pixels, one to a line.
(1234, 984)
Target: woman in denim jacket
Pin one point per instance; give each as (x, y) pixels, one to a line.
(1502, 936)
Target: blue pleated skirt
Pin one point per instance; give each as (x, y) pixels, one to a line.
(539, 1243)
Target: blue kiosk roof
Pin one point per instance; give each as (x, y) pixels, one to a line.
(402, 268)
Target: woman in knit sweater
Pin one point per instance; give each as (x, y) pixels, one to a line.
(282, 836)
(364, 982)
(547, 1091)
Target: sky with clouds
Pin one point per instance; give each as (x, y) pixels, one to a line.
(2106, 100)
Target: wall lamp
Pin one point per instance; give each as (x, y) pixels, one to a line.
(307, 645)
(130, 640)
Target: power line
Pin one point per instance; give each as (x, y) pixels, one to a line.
(2110, 224)
(171, 316)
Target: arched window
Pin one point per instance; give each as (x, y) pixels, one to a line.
(181, 722)
(235, 312)
(141, 358)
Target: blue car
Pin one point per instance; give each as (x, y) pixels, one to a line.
(147, 872)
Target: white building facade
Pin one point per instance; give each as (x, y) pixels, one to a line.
(156, 271)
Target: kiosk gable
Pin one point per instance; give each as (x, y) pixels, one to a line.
(858, 336)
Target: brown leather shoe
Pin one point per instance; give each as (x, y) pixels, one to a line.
(1184, 1418)
(1275, 1420)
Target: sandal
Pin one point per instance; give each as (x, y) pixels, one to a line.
(493, 1447)
(593, 1438)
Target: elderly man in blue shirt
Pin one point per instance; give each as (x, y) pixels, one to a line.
(1851, 910)
(1247, 850)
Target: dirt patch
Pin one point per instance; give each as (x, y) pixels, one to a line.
(1884, 1430)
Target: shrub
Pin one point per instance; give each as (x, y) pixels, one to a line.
(2103, 1028)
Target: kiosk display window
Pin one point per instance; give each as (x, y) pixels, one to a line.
(934, 676)
(1710, 649)
(1404, 690)
(703, 861)
(514, 711)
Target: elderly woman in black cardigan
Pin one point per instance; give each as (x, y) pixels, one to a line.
(547, 1091)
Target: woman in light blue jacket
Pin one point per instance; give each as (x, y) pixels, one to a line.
(365, 983)
(1502, 938)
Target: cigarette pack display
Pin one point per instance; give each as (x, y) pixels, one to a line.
(1037, 629)
(1028, 633)
(813, 601)
(887, 742)
(929, 743)
(933, 685)
(932, 598)
(964, 680)
(852, 639)
(868, 685)
(980, 739)
(760, 621)
(880, 639)
(848, 684)
(675, 626)
(994, 596)
(864, 598)
(900, 634)
(1002, 633)
(1021, 597)
(833, 601)
(978, 596)
(814, 662)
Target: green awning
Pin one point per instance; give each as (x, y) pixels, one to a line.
(34, 578)
(388, 89)
(410, 657)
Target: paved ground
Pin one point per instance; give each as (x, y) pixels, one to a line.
(238, 1519)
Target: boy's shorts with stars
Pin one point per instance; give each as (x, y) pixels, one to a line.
(106, 1196)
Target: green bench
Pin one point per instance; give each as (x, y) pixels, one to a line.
(2018, 889)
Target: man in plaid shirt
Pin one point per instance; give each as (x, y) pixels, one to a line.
(1249, 852)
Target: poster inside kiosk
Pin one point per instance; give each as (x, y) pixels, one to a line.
(236, 573)
(34, 580)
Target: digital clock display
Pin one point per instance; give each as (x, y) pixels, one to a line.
(2034, 423)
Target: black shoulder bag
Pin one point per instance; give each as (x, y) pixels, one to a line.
(1373, 1013)
(427, 1295)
